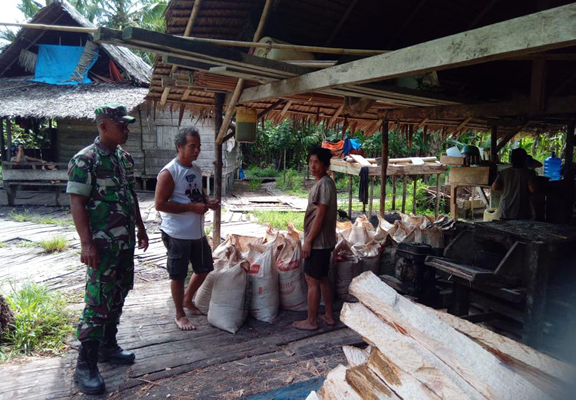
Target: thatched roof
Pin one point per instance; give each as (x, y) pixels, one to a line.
(60, 12)
(18, 97)
(369, 24)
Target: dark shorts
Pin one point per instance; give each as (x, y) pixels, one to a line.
(181, 252)
(318, 264)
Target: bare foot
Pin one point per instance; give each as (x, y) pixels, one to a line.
(184, 324)
(305, 325)
(329, 319)
(193, 309)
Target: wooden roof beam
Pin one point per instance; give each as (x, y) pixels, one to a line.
(509, 137)
(554, 105)
(187, 31)
(517, 36)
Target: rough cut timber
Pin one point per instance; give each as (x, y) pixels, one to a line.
(475, 364)
(408, 355)
(517, 36)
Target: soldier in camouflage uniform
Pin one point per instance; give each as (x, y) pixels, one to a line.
(105, 211)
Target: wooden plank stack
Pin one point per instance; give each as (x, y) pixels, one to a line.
(419, 353)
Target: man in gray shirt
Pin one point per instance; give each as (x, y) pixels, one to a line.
(517, 184)
(319, 239)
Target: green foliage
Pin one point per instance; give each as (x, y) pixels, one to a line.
(41, 322)
(255, 172)
(280, 219)
(254, 184)
(54, 245)
(3, 244)
(292, 182)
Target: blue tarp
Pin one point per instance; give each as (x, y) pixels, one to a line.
(295, 391)
(351, 144)
(56, 64)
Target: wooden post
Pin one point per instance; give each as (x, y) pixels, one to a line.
(8, 139)
(437, 195)
(393, 192)
(494, 143)
(414, 196)
(384, 170)
(404, 184)
(350, 196)
(371, 195)
(536, 277)
(2, 149)
(570, 132)
(218, 106)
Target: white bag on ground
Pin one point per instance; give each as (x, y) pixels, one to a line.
(265, 300)
(230, 299)
(293, 293)
(229, 257)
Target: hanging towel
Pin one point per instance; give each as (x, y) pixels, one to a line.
(363, 190)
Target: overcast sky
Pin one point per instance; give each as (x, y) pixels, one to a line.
(9, 13)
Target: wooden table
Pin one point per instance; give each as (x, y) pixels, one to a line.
(454, 196)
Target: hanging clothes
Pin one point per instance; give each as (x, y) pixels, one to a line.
(363, 189)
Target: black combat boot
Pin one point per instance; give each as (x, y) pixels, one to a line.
(110, 351)
(87, 375)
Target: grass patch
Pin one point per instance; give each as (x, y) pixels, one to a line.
(41, 323)
(3, 244)
(255, 172)
(292, 182)
(280, 219)
(55, 245)
(254, 184)
(38, 219)
(27, 243)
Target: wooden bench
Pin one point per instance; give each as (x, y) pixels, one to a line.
(18, 175)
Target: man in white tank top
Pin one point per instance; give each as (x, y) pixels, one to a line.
(182, 205)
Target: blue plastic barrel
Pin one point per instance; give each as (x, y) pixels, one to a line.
(552, 167)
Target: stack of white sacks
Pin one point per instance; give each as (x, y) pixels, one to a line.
(258, 276)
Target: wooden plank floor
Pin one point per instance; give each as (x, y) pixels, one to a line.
(207, 363)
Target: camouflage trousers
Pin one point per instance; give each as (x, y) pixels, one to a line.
(106, 290)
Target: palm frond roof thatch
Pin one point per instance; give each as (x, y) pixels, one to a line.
(39, 100)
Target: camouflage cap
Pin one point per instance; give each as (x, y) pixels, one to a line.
(114, 112)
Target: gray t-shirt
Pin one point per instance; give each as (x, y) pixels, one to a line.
(515, 200)
(323, 192)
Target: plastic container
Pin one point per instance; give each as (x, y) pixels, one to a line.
(552, 167)
(491, 214)
(246, 124)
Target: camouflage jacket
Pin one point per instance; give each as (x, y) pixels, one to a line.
(107, 179)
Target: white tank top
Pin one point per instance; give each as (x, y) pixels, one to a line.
(187, 189)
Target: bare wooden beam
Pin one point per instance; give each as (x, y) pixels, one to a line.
(493, 143)
(270, 108)
(421, 124)
(517, 36)
(240, 84)
(463, 124)
(384, 168)
(509, 137)
(336, 115)
(286, 108)
(559, 105)
(341, 22)
(218, 106)
(44, 27)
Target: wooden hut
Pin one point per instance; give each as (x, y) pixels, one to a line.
(118, 76)
(503, 67)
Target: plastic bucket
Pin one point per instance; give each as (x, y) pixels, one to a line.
(246, 124)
